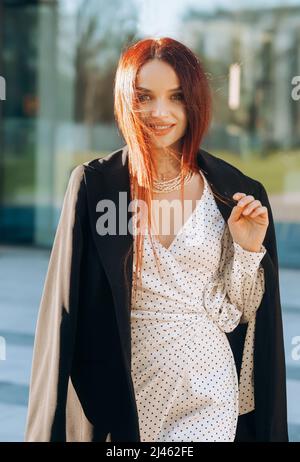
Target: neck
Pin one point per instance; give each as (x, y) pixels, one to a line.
(167, 165)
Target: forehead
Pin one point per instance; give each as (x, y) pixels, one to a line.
(157, 75)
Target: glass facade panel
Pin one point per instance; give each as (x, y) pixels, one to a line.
(58, 59)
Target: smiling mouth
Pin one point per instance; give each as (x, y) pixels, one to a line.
(162, 129)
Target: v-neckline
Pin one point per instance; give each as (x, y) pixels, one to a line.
(194, 212)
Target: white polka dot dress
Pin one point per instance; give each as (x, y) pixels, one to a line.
(183, 370)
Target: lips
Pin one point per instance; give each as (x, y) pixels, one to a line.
(162, 131)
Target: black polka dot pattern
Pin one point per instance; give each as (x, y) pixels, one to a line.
(183, 370)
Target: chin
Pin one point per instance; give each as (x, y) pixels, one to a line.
(167, 143)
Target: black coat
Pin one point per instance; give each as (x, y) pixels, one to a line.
(81, 386)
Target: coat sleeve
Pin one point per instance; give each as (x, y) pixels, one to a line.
(269, 356)
(236, 291)
(55, 329)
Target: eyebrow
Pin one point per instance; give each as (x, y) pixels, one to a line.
(150, 91)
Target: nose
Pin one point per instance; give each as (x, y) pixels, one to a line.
(159, 109)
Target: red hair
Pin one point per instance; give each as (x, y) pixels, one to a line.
(198, 104)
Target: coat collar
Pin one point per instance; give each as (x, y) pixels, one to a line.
(223, 178)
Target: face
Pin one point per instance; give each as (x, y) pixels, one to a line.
(161, 103)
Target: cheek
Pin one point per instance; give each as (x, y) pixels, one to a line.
(183, 122)
(182, 116)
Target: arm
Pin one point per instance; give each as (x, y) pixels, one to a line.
(244, 280)
(237, 289)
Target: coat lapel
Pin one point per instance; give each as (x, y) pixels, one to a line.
(112, 249)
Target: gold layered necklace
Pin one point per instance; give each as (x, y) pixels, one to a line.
(160, 186)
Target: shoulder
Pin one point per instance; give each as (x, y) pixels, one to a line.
(98, 164)
(95, 164)
(112, 159)
(84, 178)
(237, 176)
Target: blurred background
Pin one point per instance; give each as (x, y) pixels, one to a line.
(57, 64)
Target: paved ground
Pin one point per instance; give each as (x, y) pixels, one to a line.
(22, 273)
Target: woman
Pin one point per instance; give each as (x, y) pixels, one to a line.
(147, 335)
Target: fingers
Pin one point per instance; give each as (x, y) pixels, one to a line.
(248, 206)
(251, 207)
(259, 211)
(245, 200)
(238, 195)
(248, 203)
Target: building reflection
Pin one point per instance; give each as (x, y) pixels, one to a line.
(58, 59)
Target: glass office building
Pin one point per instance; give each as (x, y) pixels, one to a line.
(57, 64)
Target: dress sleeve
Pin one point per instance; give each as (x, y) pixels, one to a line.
(236, 290)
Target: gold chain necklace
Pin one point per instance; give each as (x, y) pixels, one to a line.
(173, 184)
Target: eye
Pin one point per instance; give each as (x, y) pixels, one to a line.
(179, 95)
(141, 97)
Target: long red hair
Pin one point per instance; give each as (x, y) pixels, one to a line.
(137, 134)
